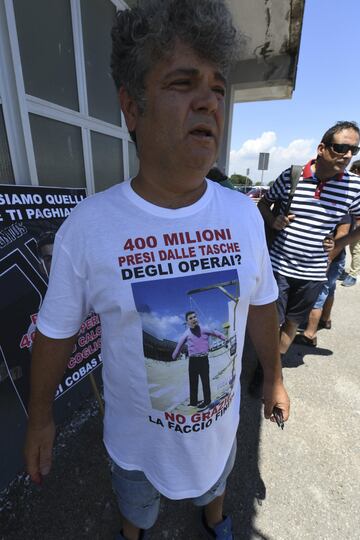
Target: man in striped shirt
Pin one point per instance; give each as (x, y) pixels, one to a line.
(324, 194)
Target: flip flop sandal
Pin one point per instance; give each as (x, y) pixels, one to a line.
(324, 324)
(301, 339)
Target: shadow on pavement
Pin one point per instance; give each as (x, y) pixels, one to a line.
(296, 354)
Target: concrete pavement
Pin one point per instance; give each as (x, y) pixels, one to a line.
(312, 469)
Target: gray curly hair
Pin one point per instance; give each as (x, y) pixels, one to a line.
(144, 35)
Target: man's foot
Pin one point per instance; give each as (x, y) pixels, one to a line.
(222, 531)
(349, 281)
(324, 324)
(301, 339)
(203, 404)
(342, 276)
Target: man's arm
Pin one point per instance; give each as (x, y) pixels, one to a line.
(180, 343)
(341, 231)
(278, 222)
(350, 238)
(217, 334)
(49, 360)
(263, 328)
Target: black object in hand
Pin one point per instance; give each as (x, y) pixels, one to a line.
(278, 415)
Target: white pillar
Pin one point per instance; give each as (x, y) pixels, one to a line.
(224, 155)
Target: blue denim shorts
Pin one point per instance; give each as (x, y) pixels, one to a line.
(328, 289)
(139, 500)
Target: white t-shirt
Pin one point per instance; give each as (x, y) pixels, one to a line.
(142, 268)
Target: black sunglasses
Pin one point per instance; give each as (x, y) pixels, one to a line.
(344, 148)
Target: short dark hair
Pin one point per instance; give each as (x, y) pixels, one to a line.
(189, 313)
(355, 166)
(147, 33)
(339, 126)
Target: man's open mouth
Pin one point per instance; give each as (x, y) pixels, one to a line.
(202, 132)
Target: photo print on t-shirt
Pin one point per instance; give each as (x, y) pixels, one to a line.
(189, 339)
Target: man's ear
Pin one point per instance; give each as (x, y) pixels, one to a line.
(320, 149)
(129, 108)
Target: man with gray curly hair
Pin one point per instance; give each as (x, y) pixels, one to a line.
(149, 250)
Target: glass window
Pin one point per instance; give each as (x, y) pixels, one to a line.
(6, 170)
(58, 152)
(47, 50)
(97, 20)
(107, 160)
(133, 160)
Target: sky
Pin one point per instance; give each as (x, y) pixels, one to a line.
(163, 315)
(327, 90)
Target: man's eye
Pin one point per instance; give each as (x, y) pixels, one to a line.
(220, 90)
(181, 82)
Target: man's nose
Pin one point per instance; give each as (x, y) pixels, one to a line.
(206, 99)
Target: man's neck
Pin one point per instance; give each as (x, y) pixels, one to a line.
(196, 331)
(175, 191)
(321, 172)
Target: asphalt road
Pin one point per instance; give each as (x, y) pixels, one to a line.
(296, 484)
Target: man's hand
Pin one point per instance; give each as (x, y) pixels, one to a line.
(328, 243)
(38, 451)
(49, 359)
(266, 343)
(275, 395)
(281, 221)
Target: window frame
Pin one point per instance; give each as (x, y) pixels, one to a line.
(17, 105)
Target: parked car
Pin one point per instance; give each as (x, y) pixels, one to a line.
(257, 192)
(243, 189)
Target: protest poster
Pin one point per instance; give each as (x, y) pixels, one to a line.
(29, 219)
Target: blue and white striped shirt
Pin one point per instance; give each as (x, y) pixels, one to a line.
(297, 250)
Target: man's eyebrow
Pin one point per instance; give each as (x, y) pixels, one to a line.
(191, 72)
(220, 77)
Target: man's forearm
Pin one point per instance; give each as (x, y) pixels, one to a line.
(177, 348)
(354, 236)
(263, 328)
(341, 231)
(49, 360)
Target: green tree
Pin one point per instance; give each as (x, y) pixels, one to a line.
(240, 180)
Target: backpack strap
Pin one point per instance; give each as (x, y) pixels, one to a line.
(295, 173)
